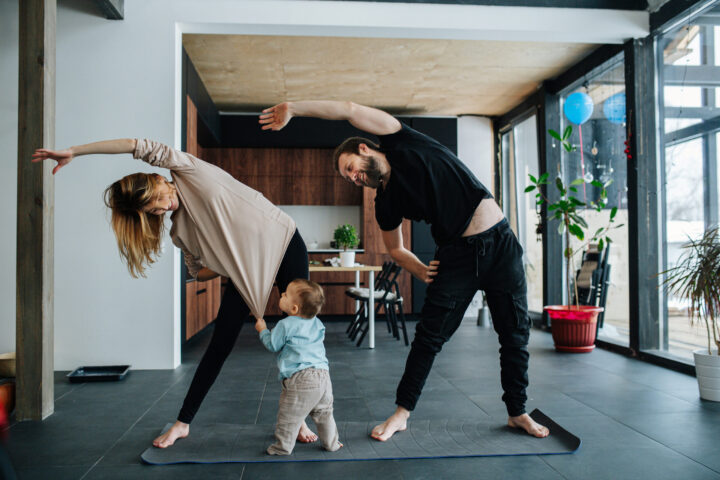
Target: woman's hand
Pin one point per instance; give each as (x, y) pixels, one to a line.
(430, 271)
(62, 157)
(275, 118)
(260, 325)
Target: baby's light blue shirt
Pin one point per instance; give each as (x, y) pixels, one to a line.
(300, 343)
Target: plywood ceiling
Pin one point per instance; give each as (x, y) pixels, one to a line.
(436, 77)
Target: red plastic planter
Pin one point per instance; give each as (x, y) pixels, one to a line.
(573, 327)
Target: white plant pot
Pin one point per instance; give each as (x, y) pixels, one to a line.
(347, 259)
(707, 370)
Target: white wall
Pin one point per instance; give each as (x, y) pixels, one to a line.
(475, 149)
(317, 223)
(121, 79)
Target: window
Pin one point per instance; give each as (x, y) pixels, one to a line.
(519, 151)
(688, 68)
(600, 155)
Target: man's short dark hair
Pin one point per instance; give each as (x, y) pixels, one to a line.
(352, 145)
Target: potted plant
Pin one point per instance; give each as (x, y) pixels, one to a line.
(697, 279)
(573, 326)
(346, 237)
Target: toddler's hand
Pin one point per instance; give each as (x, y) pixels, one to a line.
(260, 325)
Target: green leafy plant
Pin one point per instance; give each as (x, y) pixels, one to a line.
(346, 236)
(696, 277)
(567, 209)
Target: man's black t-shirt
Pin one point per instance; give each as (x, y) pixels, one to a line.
(427, 182)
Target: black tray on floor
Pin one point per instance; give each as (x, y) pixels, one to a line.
(98, 374)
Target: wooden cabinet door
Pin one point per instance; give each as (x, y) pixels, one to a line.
(190, 309)
(201, 299)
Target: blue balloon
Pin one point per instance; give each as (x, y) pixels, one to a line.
(578, 107)
(614, 108)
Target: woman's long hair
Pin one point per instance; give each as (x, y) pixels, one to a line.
(139, 234)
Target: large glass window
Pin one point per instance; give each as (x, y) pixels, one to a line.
(689, 96)
(600, 155)
(519, 151)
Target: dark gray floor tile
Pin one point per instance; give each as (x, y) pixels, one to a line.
(693, 434)
(624, 403)
(32, 444)
(348, 470)
(51, 472)
(129, 447)
(632, 463)
(510, 468)
(169, 472)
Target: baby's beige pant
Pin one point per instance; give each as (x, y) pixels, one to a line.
(308, 391)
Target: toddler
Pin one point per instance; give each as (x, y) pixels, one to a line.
(304, 370)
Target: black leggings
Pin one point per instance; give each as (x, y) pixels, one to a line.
(231, 316)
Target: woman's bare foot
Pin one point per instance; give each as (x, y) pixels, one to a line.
(178, 430)
(306, 435)
(396, 423)
(526, 423)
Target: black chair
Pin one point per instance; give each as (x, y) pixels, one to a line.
(387, 296)
(355, 292)
(593, 279)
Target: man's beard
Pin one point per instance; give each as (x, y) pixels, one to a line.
(373, 176)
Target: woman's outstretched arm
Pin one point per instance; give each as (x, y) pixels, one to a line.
(63, 157)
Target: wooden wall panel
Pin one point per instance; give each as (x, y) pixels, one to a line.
(287, 176)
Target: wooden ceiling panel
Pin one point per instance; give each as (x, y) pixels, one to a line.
(443, 77)
(513, 54)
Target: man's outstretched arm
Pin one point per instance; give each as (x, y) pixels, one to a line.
(367, 119)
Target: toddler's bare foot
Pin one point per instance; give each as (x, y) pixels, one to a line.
(306, 435)
(397, 422)
(526, 423)
(178, 430)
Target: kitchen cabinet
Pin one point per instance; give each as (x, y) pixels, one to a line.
(202, 302)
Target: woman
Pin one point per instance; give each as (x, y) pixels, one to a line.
(223, 228)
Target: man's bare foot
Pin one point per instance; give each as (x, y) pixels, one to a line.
(526, 423)
(178, 430)
(306, 435)
(396, 423)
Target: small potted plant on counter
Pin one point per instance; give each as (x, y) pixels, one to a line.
(346, 237)
(696, 278)
(573, 326)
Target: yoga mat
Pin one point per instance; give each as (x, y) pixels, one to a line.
(228, 443)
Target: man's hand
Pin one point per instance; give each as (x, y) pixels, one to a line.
(62, 157)
(260, 325)
(275, 118)
(428, 275)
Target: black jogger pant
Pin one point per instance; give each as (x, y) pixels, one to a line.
(232, 314)
(490, 261)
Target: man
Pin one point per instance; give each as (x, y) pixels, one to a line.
(418, 178)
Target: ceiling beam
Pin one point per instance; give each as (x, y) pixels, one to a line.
(112, 9)
(675, 12)
(426, 21)
(596, 4)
